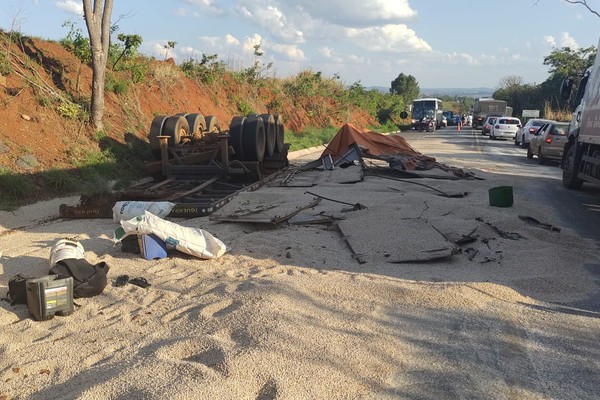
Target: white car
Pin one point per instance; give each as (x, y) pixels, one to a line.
(505, 128)
(527, 131)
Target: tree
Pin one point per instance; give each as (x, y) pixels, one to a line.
(406, 86)
(130, 45)
(97, 19)
(568, 62)
(168, 47)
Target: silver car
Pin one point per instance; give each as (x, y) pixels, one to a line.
(548, 142)
(526, 132)
(505, 128)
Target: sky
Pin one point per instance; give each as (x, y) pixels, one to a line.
(442, 43)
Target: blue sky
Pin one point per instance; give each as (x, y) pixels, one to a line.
(443, 44)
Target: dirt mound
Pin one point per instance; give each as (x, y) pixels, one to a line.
(40, 128)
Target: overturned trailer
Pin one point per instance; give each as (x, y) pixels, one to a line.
(199, 166)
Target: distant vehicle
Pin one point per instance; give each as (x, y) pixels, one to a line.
(548, 142)
(487, 125)
(526, 132)
(505, 128)
(485, 107)
(430, 108)
(469, 120)
(444, 121)
(449, 116)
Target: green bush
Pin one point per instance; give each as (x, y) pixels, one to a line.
(5, 66)
(60, 181)
(69, 110)
(77, 43)
(115, 84)
(15, 185)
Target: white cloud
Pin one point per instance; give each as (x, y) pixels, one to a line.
(181, 12)
(205, 7)
(250, 42)
(550, 40)
(272, 20)
(389, 39)
(289, 51)
(353, 13)
(231, 40)
(566, 40)
(70, 6)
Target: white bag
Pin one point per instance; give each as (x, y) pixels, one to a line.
(193, 241)
(124, 210)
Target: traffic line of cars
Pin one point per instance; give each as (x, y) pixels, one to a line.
(543, 138)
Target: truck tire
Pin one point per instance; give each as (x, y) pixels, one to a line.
(279, 134)
(197, 125)
(236, 131)
(212, 124)
(177, 129)
(271, 132)
(254, 139)
(571, 166)
(155, 131)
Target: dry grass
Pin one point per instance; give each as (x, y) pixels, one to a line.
(166, 75)
(556, 115)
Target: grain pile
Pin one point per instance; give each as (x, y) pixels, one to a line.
(289, 313)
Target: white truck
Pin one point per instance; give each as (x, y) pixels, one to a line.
(581, 154)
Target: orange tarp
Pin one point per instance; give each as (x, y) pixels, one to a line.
(371, 143)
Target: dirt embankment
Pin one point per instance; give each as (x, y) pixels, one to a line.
(35, 135)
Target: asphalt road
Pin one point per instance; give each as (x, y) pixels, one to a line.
(467, 148)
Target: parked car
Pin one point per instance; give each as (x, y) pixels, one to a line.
(505, 128)
(526, 132)
(487, 125)
(548, 142)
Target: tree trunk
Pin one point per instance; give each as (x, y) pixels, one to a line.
(97, 19)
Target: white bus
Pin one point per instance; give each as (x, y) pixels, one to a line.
(426, 107)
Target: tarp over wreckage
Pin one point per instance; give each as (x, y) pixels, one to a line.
(370, 143)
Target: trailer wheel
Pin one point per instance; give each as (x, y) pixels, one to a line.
(571, 166)
(271, 132)
(236, 133)
(212, 124)
(197, 125)
(178, 130)
(155, 131)
(254, 139)
(279, 133)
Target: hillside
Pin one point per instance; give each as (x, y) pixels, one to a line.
(42, 126)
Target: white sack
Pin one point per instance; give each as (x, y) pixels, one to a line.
(193, 241)
(124, 210)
